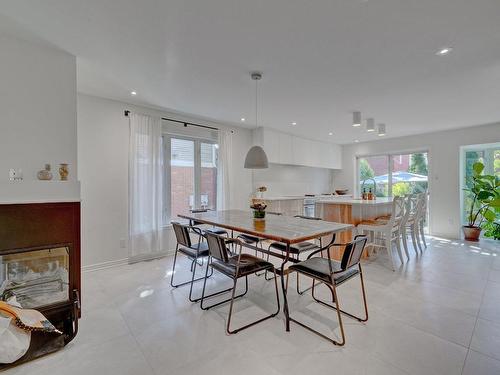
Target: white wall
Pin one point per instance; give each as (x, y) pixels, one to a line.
(103, 133)
(293, 180)
(444, 160)
(38, 108)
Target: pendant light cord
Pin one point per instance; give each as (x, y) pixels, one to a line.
(256, 97)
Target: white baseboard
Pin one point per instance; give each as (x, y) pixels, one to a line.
(104, 265)
(146, 257)
(125, 261)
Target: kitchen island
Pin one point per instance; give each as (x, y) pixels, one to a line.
(351, 211)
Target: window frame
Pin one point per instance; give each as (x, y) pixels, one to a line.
(167, 183)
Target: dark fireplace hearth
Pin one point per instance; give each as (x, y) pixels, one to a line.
(40, 267)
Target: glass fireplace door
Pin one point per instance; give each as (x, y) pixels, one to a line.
(35, 278)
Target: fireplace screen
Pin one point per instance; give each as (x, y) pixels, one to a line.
(35, 278)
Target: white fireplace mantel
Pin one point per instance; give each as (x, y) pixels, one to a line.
(39, 191)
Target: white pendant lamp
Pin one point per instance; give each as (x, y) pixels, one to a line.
(356, 119)
(256, 157)
(370, 125)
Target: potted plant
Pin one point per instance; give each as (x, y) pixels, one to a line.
(259, 210)
(485, 195)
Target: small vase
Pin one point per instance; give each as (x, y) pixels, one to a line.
(471, 233)
(63, 171)
(45, 174)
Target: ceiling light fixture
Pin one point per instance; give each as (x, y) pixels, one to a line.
(242, 119)
(294, 123)
(330, 133)
(133, 93)
(370, 125)
(444, 51)
(381, 130)
(256, 157)
(356, 140)
(356, 119)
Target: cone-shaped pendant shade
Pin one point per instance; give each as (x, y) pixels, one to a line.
(256, 158)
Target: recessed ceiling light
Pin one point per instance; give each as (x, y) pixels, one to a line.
(294, 123)
(133, 93)
(242, 119)
(330, 133)
(370, 125)
(381, 130)
(356, 140)
(356, 119)
(444, 51)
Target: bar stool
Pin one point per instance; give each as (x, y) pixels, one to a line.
(388, 230)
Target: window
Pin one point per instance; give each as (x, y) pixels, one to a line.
(489, 155)
(190, 175)
(393, 174)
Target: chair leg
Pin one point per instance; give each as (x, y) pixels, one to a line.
(388, 246)
(339, 318)
(422, 235)
(417, 236)
(363, 293)
(203, 296)
(193, 280)
(228, 327)
(405, 238)
(398, 248)
(398, 239)
(414, 239)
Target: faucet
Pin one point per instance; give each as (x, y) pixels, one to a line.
(374, 185)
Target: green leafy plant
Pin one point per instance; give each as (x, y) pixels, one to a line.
(491, 230)
(485, 194)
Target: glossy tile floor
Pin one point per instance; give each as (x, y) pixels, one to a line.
(438, 314)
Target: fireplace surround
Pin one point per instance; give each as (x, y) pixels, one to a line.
(40, 267)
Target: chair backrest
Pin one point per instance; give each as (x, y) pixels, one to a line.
(274, 213)
(307, 217)
(217, 247)
(182, 234)
(398, 211)
(353, 252)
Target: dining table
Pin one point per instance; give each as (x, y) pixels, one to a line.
(287, 230)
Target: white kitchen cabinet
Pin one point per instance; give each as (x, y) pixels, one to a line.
(283, 148)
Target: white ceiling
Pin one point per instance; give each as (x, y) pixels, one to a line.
(321, 59)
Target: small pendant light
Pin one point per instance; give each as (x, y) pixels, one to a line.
(256, 157)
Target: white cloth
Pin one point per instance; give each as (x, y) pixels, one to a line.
(145, 186)
(224, 168)
(14, 342)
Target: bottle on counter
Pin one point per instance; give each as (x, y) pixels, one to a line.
(363, 196)
(370, 195)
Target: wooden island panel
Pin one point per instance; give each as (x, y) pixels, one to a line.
(351, 211)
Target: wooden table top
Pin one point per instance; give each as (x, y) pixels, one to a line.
(279, 228)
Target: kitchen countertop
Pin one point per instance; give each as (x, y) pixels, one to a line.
(351, 201)
(297, 197)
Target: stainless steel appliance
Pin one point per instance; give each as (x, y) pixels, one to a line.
(309, 205)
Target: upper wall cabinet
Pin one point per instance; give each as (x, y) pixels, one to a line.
(282, 148)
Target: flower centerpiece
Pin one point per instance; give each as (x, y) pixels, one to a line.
(259, 210)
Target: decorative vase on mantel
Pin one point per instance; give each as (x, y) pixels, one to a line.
(45, 174)
(63, 171)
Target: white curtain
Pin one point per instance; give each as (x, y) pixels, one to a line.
(223, 168)
(145, 187)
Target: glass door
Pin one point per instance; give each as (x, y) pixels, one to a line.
(373, 172)
(409, 173)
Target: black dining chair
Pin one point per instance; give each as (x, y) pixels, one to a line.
(194, 251)
(332, 274)
(234, 266)
(219, 231)
(302, 247)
